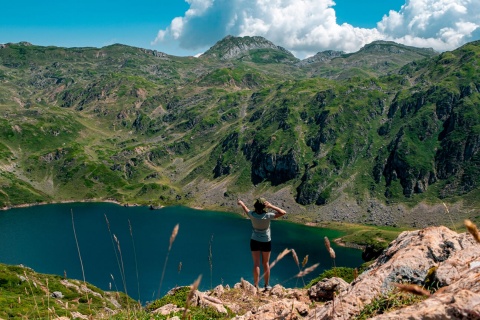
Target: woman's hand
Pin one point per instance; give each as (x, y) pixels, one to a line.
(267, 204)
(240, 202)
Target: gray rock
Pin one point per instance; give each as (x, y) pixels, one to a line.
(327, 288)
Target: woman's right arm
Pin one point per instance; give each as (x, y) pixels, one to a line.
(280, 212)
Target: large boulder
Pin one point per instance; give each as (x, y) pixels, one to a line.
(410, 259)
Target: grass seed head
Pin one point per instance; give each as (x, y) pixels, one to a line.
(472, 228)
(307, 271)
(174, 235)
(305, 261)
(280, 257)
(332, 253)
(295, 257)
(327, 243)
(412, 288)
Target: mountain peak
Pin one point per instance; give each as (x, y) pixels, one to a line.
(232, 47)
(391, 47)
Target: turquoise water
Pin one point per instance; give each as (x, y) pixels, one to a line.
(42, 238)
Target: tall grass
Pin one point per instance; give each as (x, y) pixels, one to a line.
(172, 239)
(210, 261)
(193, 288)
(331, 252)
(80, 257)
(297, 262)
(448, 213)
(124, 278)
(114, 250)
(135, 256)
(33, 294)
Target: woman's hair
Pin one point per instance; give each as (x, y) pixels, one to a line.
(259, 205)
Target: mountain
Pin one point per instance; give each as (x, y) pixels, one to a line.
(367, 144)
(374, 59)
(256, 49)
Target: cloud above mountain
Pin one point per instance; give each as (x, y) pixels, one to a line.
(308, 26)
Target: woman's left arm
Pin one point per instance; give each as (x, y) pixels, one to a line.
(280, 212)
(244, 207)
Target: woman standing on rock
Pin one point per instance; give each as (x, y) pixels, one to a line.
(261, 242)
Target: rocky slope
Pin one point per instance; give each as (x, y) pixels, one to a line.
(440, 259)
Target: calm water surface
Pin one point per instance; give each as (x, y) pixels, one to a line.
(42, 238)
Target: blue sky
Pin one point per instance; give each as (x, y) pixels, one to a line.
(189, 27)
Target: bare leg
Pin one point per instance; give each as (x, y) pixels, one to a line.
(256, 267)
(266, 266)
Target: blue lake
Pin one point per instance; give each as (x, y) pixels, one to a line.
(213, 244)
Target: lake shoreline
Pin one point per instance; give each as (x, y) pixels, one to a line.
(338, 241)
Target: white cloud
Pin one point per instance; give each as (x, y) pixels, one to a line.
(308, 26)
(441, 24)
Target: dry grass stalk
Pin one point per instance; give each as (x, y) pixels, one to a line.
(412, 288)
(472, 228)
(210, 261)
(79, 256)
(305, 261)
(448, 213)
(33, 295)
(113, 279)
(48, 299)
(113, 245)
(332, 253)
(295, 258)
(172, 239)
(124, 279)
(280, 257)
(355, 274)
(135, 256)
(327, 243)
(193, 288)
(307, 271)
(173, 236)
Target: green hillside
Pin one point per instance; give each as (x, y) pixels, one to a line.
(246, 118)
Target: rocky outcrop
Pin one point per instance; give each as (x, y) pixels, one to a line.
(437, 254)
(408, 259)
(233, 47)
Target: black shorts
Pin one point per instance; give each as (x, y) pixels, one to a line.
(260, 246)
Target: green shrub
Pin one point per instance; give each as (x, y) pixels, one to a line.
(345, 273)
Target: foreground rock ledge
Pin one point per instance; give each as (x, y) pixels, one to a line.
(454, 257)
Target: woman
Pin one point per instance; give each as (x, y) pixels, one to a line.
(261, 242)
